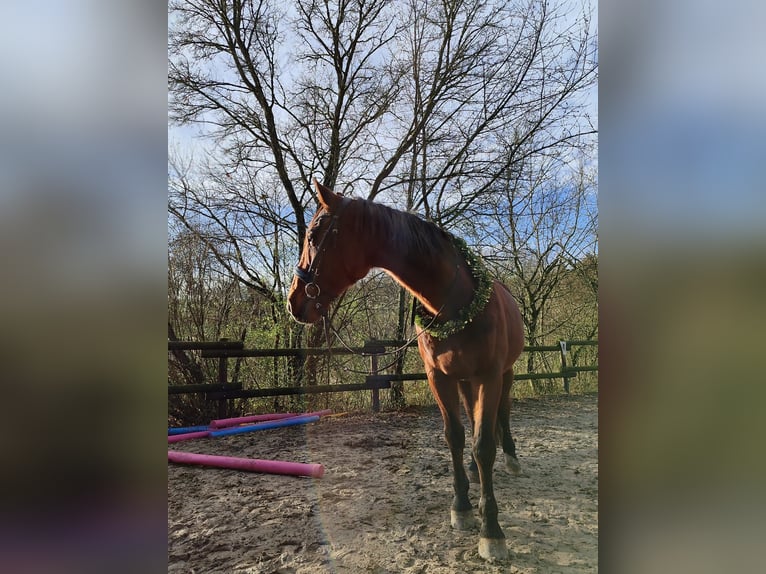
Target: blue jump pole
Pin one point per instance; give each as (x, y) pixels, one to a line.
(265, 425)
(184, 430)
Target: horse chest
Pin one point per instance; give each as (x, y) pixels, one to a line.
(450, 360)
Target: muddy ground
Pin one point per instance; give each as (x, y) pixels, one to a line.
(383, 503)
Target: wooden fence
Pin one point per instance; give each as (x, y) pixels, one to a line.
(222, 390)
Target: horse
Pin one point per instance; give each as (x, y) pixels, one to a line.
(468, 326)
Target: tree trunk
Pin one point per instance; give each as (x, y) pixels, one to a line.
(397, 388)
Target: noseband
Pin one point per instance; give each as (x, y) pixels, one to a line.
(308, 276)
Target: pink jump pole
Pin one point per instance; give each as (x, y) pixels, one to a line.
(224, 423)
(248, 464)
(187, 436)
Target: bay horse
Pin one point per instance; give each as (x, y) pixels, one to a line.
(469, 328)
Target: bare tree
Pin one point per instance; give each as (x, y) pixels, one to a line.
(204, 303)
(353, 87)
(540, 232)
(489, 85)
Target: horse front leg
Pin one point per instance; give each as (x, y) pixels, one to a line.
(491, 538)
(445, 392)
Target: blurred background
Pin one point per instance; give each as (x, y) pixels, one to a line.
(82, 306)
(682, 211)
(83, 243)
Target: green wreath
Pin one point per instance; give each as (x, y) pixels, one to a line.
(476, 267)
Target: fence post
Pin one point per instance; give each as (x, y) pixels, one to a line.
(563, 348)
(223, 375)
(374, 393)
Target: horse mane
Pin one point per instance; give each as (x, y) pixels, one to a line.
(408, 233)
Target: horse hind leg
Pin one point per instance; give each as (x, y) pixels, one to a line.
(502, 433)
(504, 426)
(473, 471)
(461, 512)
(466, 394)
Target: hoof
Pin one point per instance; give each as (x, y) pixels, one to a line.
(493, 548)
(462, 519)
(512, 464)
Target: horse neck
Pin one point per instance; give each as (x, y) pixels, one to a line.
(441, 281)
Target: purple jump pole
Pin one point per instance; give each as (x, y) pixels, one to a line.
(302, 420)
(249, 464)
(187, 436)
(224, 423)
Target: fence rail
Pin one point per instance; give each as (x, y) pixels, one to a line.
(223, 350)
(218, 346)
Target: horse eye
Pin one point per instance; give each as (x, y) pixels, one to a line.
(312, 236)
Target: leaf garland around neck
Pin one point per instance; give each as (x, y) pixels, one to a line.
(483, 291)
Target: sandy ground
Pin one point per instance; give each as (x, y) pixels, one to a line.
(383, 503)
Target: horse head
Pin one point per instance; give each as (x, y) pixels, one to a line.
(330, 260)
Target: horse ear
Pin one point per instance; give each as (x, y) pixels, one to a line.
(327, 198)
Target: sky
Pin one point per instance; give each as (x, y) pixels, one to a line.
(683, 120)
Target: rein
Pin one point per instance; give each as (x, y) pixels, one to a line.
(328, 327)
(396, 351)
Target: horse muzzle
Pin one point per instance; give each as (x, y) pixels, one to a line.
(306, 312)
(304, 305)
